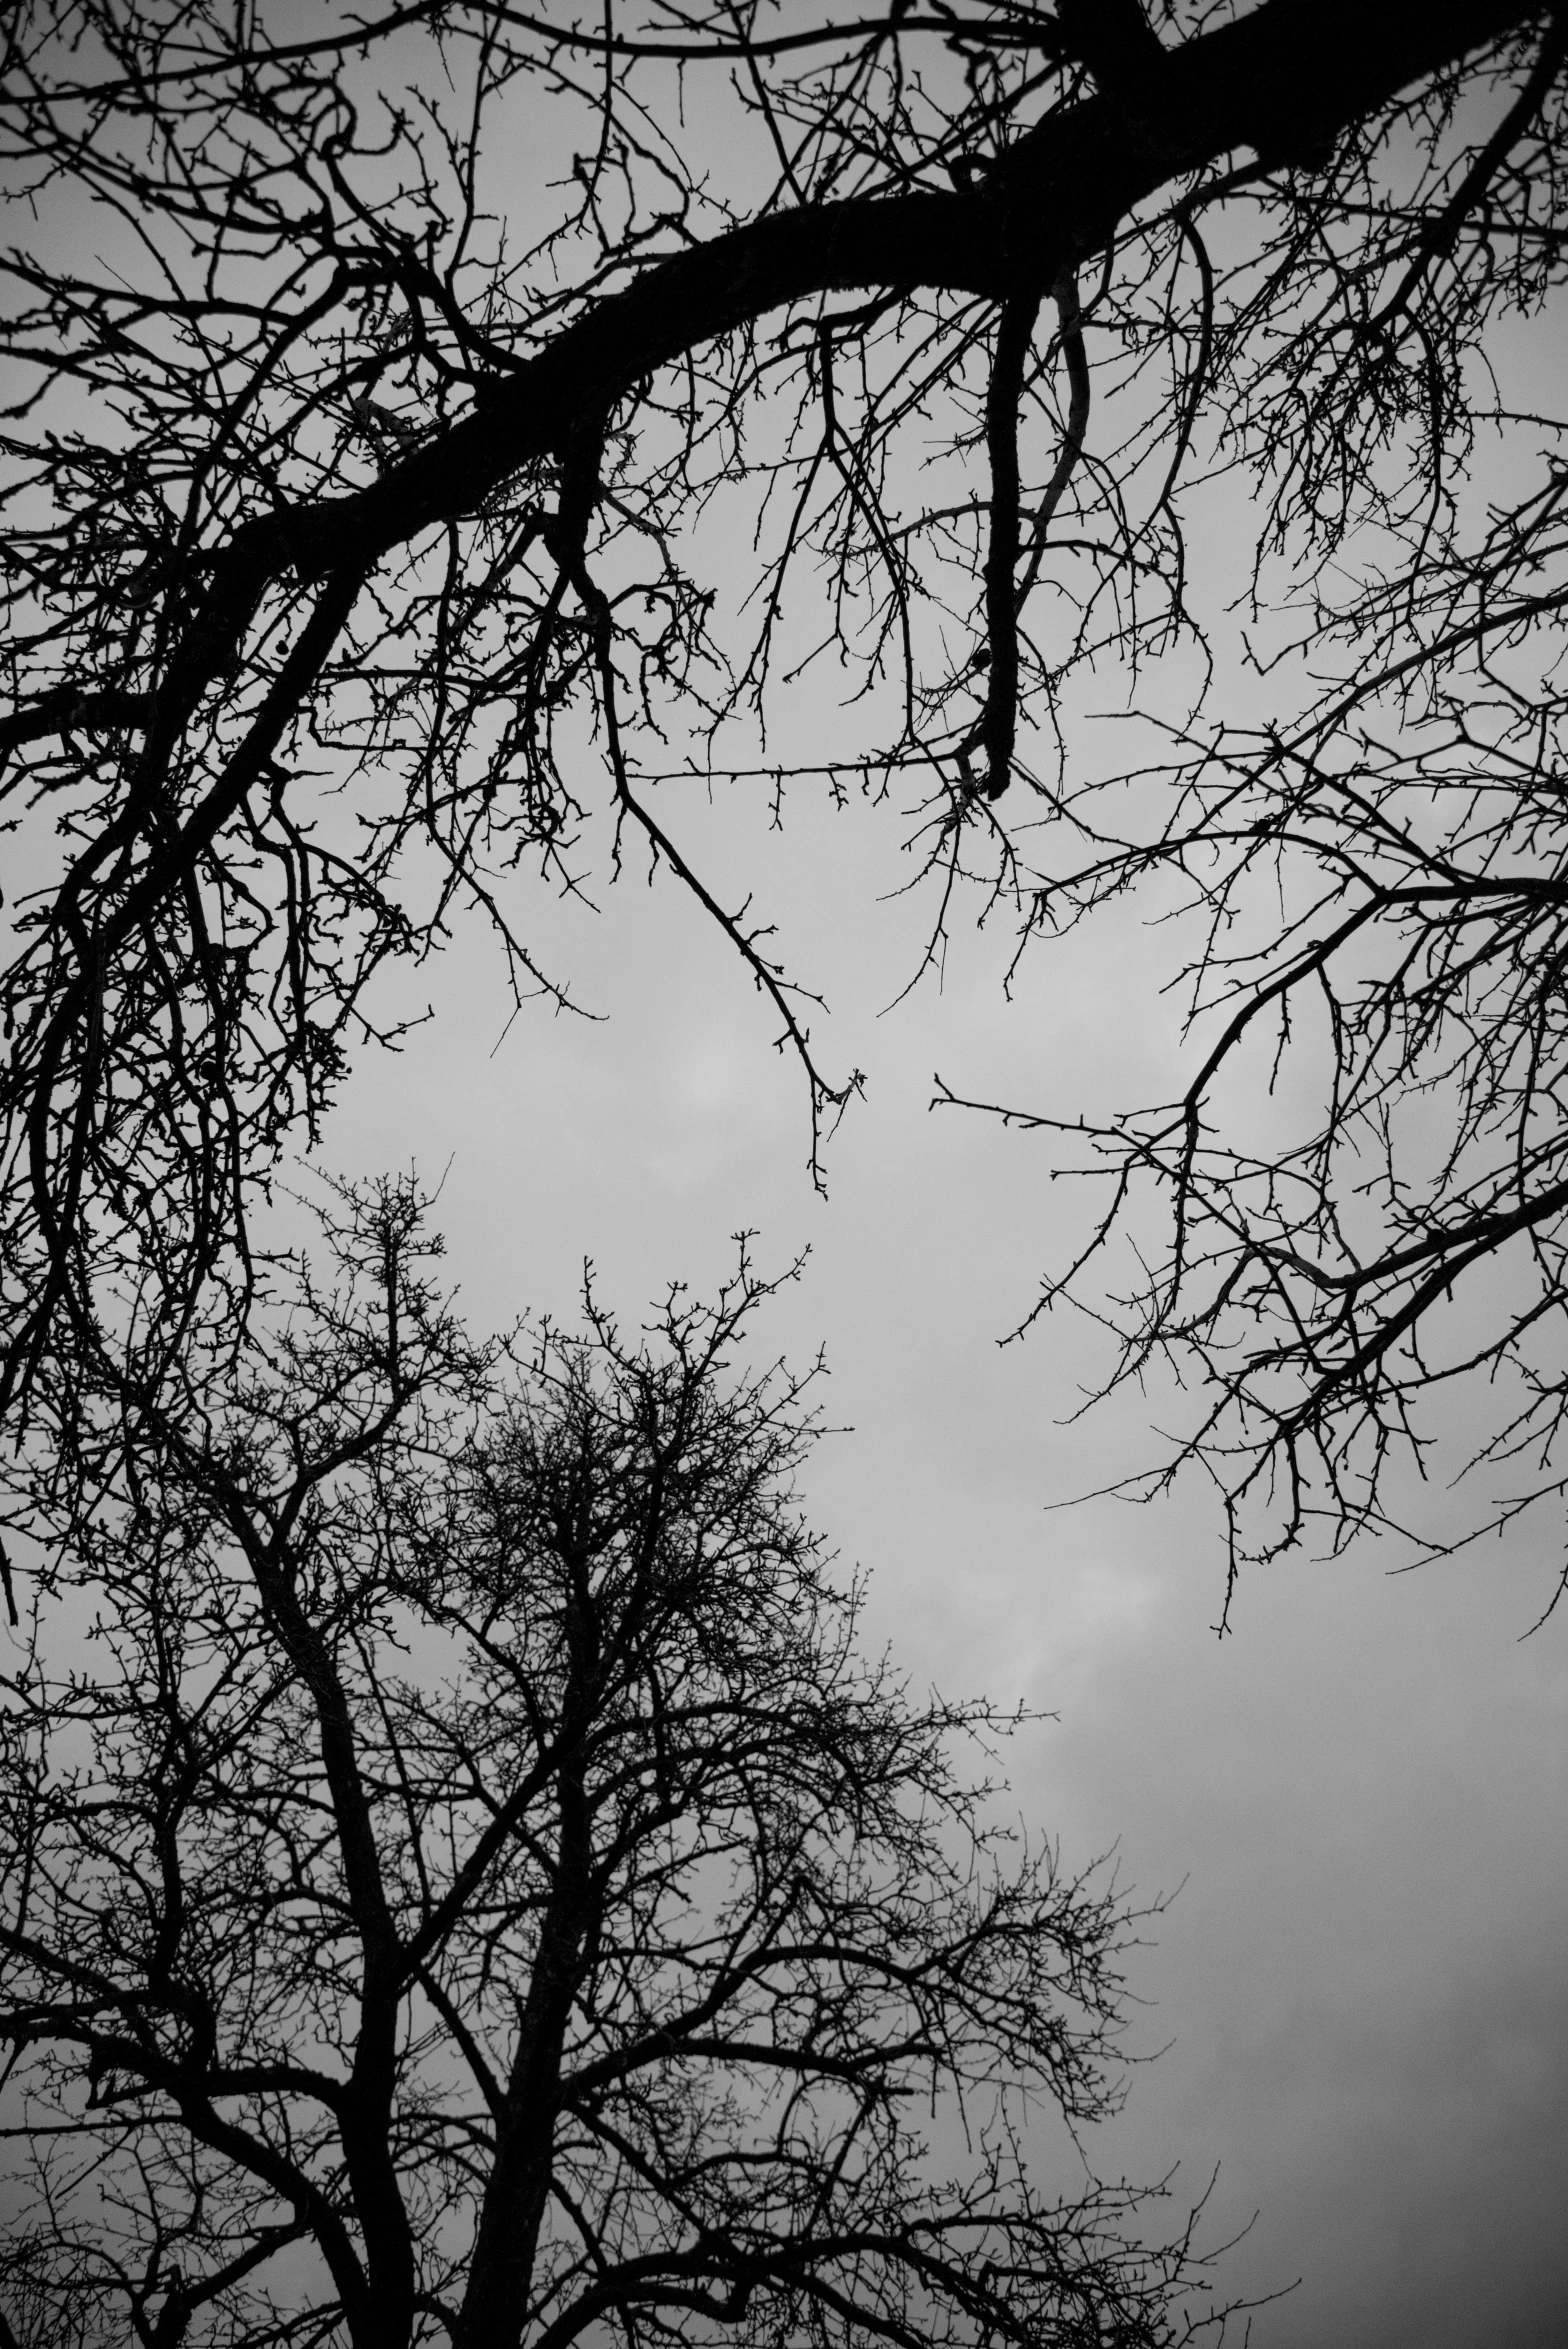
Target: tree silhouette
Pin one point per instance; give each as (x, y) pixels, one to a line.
(394, 396)
(461, 1882)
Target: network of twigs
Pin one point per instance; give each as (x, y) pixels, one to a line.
(378, 459)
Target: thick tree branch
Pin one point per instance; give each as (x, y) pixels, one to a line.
(1291, 70)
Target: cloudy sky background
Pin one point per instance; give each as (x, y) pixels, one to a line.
(1361, 1989)
(1360, 1791)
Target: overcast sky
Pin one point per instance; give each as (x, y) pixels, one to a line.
(1361, 1989)
(1361, 1791)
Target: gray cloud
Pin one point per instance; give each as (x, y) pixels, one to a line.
(1361, 1981)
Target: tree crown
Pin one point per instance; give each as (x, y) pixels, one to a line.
(469, 1885)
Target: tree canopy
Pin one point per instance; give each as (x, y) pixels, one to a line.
(467, 1886)
(434, 429)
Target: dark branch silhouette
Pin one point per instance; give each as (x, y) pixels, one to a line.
(391, 403)
(469, 1888)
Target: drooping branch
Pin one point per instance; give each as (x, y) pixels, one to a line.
(999, 720)
(1069, 326)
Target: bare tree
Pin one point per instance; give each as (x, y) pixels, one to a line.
(466, 1885)
(392, 392)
